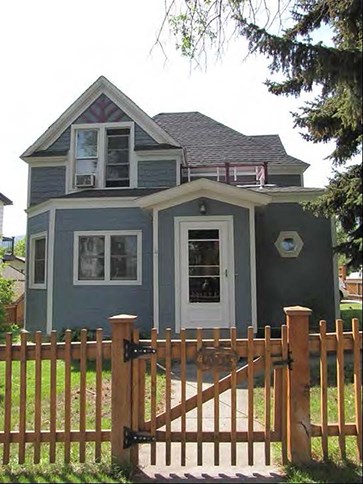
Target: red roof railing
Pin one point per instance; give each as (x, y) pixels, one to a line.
(231, 173)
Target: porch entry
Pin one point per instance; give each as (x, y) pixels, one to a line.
(204, 276)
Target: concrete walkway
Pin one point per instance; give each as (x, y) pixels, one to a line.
(208, 472)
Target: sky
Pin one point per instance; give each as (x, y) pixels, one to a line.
(53, 51)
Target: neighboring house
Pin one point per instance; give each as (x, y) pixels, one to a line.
(3, 202)
(177, 219)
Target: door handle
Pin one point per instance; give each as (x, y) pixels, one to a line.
(226, 272)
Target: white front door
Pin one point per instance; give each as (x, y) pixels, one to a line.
(205, 289)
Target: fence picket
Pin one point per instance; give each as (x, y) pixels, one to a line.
(340, 387)
(250, 382)
(134, 451)
(53, 396)
(199, 403)
(67, 396)
(267, 395)
(82, 396)
(233, 335)
(357, 385)
(153, 364)
(183, 395)
(22, 402)
(7, 397)
(168, 395)
(285, 353)
(99, 389)
(323, 390)
(216, 334)
(38, 395)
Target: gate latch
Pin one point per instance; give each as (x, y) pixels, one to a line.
(132, 437)
(288, 362)
(133, 350)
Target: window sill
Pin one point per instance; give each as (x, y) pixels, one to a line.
(107, 283)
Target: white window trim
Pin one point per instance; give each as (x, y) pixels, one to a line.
(107, 281)
(292, 234)
(101, 159)
(32, 239)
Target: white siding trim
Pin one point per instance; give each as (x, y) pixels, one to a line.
(50, 263)
(253, 269)
(156, 268)
(32, 239)
(107, 281)
(65, 204)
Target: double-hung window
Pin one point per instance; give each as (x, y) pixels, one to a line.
(103, 150)
(107, 257)
(38, 261)
(86, 151)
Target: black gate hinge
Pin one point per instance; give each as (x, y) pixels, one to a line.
(133, 350)
(132, 437)
(288, 362)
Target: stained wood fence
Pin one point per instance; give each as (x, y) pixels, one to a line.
(47, 416)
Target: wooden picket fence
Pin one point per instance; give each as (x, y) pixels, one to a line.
(60, 428)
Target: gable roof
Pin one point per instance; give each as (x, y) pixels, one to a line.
(5, 200)
(100, 86)
(208, 141)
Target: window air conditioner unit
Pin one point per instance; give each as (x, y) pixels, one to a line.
(85, 181)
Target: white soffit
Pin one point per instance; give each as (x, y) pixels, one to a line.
(203, 188)
(101, 86)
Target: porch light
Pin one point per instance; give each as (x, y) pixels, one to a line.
(202, 208)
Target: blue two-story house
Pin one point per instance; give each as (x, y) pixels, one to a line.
(177, 218)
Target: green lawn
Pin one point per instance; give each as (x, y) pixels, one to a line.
(348, 311)
(45, 472)
(334, 470)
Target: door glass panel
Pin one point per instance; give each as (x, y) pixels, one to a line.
(204, 266)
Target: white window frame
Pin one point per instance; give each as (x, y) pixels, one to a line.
(101, 150)
(107, 281)
(32, 239)
(290, 234)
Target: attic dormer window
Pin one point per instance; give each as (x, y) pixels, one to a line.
(117, 163)
(102, 155)
(86, 151)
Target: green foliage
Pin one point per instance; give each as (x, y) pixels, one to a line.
(332, 69)
(343, 199)
(20, 247)
(6, 294)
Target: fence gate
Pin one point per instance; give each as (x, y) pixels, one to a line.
(202, 398)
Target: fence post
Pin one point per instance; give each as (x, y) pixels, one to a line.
(121, 329)
(298, 386)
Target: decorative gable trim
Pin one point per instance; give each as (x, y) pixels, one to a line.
(101, 86)
(203, 188)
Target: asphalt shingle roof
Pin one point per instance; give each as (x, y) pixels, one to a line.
(5, 200)
(208, 141)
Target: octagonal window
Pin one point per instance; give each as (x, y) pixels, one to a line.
(289, 244)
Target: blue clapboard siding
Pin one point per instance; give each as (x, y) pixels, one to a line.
(90, 306)
(103, 110)
(36, 299)
(47, 182)
(306, 280)
(157, 173)
(242, 259)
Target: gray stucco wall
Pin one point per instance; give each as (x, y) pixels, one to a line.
(47, 182)
(242, 259)
(36, 299)
(157, 173)
(90, 306)
(306, 280)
